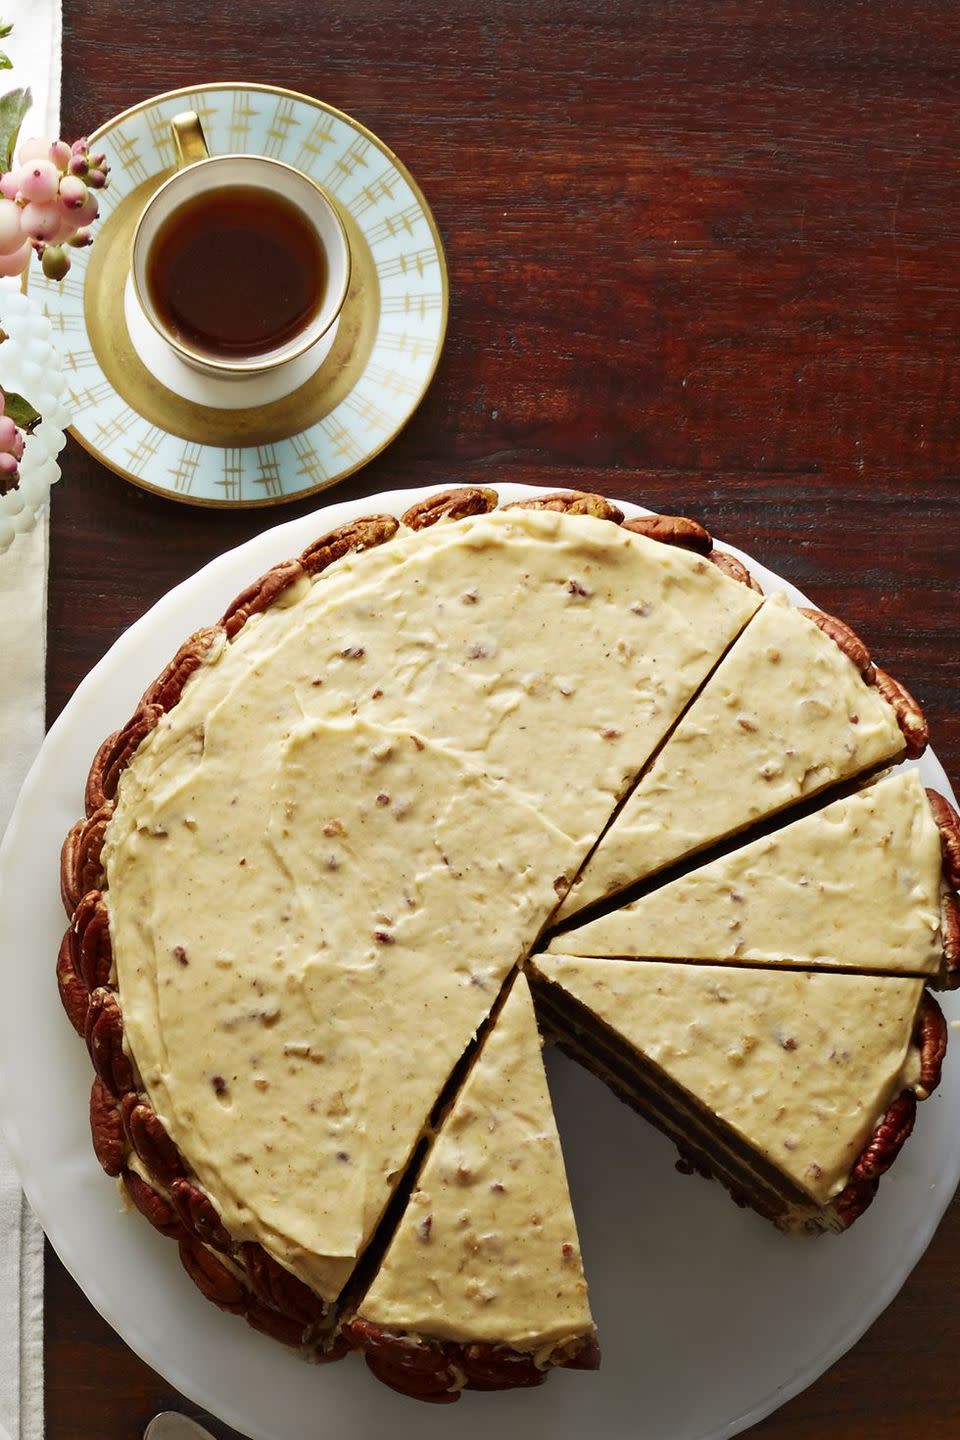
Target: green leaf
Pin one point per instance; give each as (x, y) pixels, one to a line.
(21, 412)
(13, 107)
(6, 26)
(5, 62)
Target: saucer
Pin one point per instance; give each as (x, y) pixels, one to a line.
(144, 422)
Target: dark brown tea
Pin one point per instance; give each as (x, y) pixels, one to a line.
(237, 272)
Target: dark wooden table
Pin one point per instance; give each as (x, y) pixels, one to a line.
(702, 256)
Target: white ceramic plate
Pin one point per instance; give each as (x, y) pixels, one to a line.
(709, 1319)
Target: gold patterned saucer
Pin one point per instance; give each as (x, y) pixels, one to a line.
(387, 347)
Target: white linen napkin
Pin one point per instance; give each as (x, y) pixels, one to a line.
(23, 596)
(34, 48)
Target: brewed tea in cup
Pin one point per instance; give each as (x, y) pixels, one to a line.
(240, 262)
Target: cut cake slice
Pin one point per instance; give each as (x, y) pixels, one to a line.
(790, 710)
(857, 885)
(482, 1285)
(796, 1089)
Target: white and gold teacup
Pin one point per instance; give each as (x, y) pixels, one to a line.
(234, 379)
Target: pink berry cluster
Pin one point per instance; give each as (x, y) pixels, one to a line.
(48, 201)
(11, 450)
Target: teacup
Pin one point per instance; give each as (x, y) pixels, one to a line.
(240, 268)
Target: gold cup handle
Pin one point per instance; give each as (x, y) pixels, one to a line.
(188, 138)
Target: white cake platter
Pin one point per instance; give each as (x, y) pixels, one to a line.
(709, 1319)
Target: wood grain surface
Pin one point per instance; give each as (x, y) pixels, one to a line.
(704, 256)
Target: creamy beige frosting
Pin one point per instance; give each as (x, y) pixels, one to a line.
(326, 858)
(305, 946)
(801, 1066)
(785, 715)
(855, 885)
(487, 1249)
(553, 651)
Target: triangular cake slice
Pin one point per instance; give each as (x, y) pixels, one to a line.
(482, 1285)
(788, 712)
(856, 885)
(796, 1089)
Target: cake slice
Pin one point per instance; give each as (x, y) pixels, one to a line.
(796, 1089)
(857, 885)
(790, 710)
(482, 1285)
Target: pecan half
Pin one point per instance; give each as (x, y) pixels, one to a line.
(419, 1370)
(910, 717)
(875, 1160)
(94, 796)
(855, 1197)
(166, 690)
(271, 1322)
(948, 823)
(451, 505)
(152, 1205)
(888, 1139)
(672, 530)
(497, 1367)
(931, 1038)
(211, 1276)
(93, 954)
(80, 868)
(362, 534)
(104, 1037)
(572, 502)
(106, 1128)
(734, 568)
(279, 1289)
(74, 995)
(950, 937)
(844, 638)
(115, 754)
(199, 1217)
(145, 1132)
(260, 595)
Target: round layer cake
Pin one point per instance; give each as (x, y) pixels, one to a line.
(438, 780)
